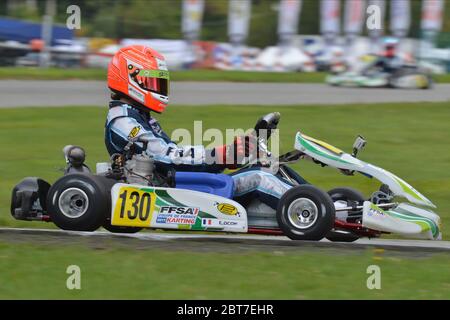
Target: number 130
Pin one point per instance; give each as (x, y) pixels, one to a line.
(138, 208)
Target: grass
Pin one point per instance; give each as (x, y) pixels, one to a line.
(407, 139)
(187, 75)
(31, 73)
(443, 78)
(39, 272)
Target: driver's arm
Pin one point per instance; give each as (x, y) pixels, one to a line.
(165, 151)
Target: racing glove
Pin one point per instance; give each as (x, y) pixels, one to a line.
(232, 155)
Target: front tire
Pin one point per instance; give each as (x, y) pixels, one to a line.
(305, 213)
(79, 202)
(430, 83)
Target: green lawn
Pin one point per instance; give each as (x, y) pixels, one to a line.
(187, 75)
(39, 272)
(409, 139)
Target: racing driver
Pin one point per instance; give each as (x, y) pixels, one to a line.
(139, 81)
(389, 61)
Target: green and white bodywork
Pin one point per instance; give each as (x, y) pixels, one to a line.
(171, 208)
(379, 80)
(414, 220)
(353, 79)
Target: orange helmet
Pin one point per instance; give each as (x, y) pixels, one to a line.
(140, 73)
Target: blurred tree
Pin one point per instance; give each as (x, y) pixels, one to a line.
(27, 10)
(263, 23)
(310, 17)
(147, 19)
(215, 20)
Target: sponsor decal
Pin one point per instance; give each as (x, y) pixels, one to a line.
(227, 209)
(135, 93)
(177, 215)
(162, 65)
(375, 212)
(162, 74)
(207, 222)
(179, 210)
(227, 223)
(134, 132)
(218, 223)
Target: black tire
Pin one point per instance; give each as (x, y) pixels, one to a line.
(390, 84)
(120, 229)
(341, 236)
(323, 206)
(73, 212)
(345, 194)
(429, 85)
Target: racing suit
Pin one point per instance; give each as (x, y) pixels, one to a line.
(388, 64)
(125, 121)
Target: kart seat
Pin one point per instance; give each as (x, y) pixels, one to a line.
(213, 183)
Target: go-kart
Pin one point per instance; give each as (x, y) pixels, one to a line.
(406, 77)
(131, 193)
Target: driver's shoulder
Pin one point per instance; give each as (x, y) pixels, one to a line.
(119, 109)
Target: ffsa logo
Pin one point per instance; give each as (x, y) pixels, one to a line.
(179, 210)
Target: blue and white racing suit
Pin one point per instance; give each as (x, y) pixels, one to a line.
(125, 121)
(388, 64)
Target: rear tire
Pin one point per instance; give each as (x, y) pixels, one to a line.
(344, 194)
(305, 213)
(79, 202)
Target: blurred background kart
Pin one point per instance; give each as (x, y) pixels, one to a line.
(371, 75)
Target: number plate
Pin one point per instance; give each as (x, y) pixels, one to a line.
(134, 208)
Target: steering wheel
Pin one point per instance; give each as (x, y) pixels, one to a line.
(263, 130)
(267, 123)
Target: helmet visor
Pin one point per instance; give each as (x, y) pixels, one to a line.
(151, 80)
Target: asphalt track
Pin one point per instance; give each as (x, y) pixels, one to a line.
(17, 93)
(216, 242)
